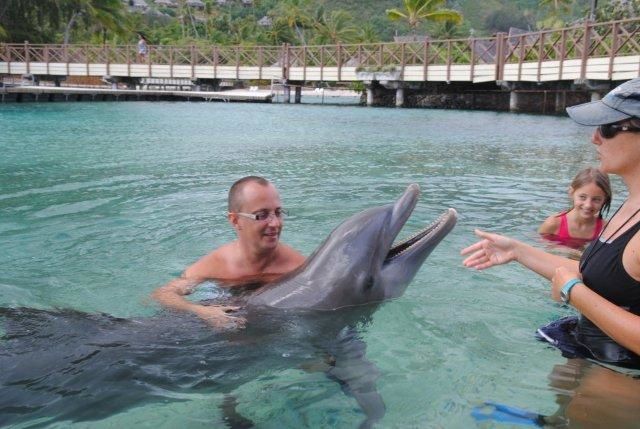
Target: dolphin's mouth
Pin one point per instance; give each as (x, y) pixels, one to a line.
(433, 230)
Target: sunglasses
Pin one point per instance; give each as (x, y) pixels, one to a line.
(609, 131)
(264, 215)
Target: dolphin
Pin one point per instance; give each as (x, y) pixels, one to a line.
(62, 366)
(358, 263)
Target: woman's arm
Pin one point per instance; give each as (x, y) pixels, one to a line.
(495, 249)
(619, 324)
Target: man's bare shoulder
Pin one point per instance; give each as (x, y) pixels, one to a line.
(290, 257)
(212, 265)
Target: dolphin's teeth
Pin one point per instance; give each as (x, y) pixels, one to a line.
(404, 245)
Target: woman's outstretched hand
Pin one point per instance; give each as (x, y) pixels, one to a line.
(492, 249)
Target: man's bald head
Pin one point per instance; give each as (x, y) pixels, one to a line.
(236, 201)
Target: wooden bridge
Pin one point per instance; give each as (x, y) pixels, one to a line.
(590, 51)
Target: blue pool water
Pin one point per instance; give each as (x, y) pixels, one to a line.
(100, 203)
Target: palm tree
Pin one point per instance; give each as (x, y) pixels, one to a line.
(106, 14)
(417, 11)
(33, 20)
(557, 11)
(367, 34)
(335, 28)
(279, 33)
(557, 5)
(295, 14)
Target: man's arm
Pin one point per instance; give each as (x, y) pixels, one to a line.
(172, 296)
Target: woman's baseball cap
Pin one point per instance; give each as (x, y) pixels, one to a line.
(622, 102)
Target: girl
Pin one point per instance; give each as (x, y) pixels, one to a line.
(590, 193)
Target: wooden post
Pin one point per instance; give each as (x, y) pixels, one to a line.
(86, 58)
(287, 93)
(614, 48)
(540, 56)
(473, 59)
(193, 61)
(7, 57)
(214, 53)
(561, 101)
(563, 52)
(26, 55)
(304, 63)
(402, 63)
(521, 59)
(297, 98)
(448, 61)
(500, 41)
(171, 62)
(321, 63)
(107, 57)
(586, 40)
(285, 62)
(237, 62)
(426, 61)
(260, 62)
(66, 57)
(339, 61)
(46, 57)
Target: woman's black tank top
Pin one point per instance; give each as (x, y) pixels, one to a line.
(603, 272)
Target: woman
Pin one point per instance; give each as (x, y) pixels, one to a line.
(605, 285)
(143, 49)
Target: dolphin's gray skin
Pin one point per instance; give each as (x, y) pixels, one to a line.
(357, 263)
(59, 366)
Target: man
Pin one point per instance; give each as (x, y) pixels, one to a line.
(255, 212)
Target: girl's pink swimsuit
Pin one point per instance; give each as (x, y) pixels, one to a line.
(563, 237)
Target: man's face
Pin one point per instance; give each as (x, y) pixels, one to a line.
(262, 234)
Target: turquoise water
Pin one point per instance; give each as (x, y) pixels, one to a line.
(100, 203)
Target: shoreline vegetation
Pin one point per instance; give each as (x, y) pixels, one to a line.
(293, 22)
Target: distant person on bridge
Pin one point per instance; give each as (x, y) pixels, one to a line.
(143, 49)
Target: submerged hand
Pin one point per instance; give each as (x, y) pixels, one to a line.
(218, 317)
(493, 249)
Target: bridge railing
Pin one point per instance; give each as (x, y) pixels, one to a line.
(509, 56)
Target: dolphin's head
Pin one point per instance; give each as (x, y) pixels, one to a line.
(358, 263)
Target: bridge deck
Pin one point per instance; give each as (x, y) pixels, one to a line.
(71, 93)
(608, 51)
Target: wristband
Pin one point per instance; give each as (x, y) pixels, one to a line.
(566, 289)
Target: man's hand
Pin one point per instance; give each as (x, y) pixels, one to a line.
(218, 317)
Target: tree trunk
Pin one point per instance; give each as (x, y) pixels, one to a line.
(67, 30)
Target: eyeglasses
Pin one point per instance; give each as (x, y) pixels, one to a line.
(264, 215)
(609, 131)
